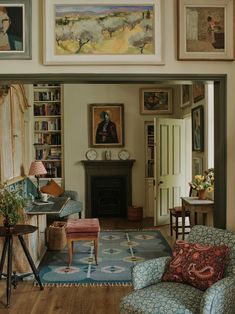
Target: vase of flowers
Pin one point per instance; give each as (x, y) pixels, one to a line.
(11, 202)
(203, 183)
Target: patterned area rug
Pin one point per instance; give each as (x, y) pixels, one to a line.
(118, 252)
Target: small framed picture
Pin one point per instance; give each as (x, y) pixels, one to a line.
(186, 95)
(205, 30)
(197, 129)
(106, 127)
(197, 166)
(15, 29)
(198, 92)
(156, 100)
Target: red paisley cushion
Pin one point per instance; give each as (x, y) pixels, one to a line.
(196, 264)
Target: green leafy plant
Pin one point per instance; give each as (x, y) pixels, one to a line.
(11, 201)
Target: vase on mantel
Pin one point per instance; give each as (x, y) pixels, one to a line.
(202, 195)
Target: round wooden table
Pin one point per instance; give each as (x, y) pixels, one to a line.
(12, 279)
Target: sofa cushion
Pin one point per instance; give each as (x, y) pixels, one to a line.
(196, 264)
(52, 188)
(162, 298)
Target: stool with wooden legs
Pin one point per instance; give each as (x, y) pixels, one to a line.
(82, 230)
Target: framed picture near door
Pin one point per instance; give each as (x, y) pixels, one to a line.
(197, 129)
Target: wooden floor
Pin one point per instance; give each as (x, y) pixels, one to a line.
(26, 299)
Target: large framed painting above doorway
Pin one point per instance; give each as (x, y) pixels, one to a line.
(103, 32)
(220, 105)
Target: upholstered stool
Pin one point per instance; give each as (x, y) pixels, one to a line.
(82, 230)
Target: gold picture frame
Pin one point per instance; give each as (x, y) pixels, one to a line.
(106, 125)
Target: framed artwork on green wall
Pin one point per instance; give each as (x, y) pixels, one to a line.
(103, 32)
(15, 29)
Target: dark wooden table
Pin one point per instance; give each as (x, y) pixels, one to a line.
(53, 206)
(12, 278)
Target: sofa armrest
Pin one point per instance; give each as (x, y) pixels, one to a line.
(219, 298)
(149, 272)
(72, 194)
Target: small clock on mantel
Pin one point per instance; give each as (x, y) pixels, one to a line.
(91, 154)
(124, 154)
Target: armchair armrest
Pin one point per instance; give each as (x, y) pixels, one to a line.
(72, 194)
(219, 298)
(149, 272)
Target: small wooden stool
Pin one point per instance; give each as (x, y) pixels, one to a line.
(82, 230)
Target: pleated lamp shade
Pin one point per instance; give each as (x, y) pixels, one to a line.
(37, 168)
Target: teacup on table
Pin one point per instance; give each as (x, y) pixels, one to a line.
(44, 197)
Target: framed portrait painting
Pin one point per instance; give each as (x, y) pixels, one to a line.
(106, 125)
(197, 129)
(103, 32)
(156, 100)
(186, 95)
(15, 29)
(205, 30)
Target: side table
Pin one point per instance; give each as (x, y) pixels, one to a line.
(12, 279)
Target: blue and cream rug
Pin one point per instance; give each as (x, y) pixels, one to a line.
(118, 252)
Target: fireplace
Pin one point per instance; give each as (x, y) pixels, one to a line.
(108, 187)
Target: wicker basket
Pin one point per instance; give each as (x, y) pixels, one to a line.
(57, 236)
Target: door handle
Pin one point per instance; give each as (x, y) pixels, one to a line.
(160, 182)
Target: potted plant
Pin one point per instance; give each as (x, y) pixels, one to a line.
(203, 183)
(11, 201)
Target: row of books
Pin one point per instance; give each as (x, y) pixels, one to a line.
(48, 154)
(48, 95)
(47, 109)
(50, 139)
(49, 125)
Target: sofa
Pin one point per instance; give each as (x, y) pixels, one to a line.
(150, 295)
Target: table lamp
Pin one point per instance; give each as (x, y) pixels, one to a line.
(36, 169)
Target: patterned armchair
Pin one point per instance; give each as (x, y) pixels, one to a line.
(151, 296)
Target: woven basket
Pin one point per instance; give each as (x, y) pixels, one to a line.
(57, 236)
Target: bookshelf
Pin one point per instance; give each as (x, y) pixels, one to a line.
(48, 128)
(149, 169)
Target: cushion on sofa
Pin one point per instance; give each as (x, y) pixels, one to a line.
(196, 264)
(52, 188)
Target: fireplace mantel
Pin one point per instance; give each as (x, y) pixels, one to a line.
(107, 169)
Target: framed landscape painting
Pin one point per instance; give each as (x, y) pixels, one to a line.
(106, 125)
(15, 29)
(198, 92)
(205, 30)
(103, 32)
(155, 101)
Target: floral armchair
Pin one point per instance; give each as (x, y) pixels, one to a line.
(151, 296)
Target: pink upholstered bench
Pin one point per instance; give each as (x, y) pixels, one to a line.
(82, 230)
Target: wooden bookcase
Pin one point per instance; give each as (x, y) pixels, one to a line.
(48, 128)
(149, 169)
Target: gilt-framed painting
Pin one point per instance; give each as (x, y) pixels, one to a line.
(155, 101)
(15, 29)
(103, 32)
(197, 129)
(205, 30)
(106, 125)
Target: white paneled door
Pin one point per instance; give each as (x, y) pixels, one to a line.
(169, 167)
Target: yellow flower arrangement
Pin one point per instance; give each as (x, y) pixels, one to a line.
(203, 182)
